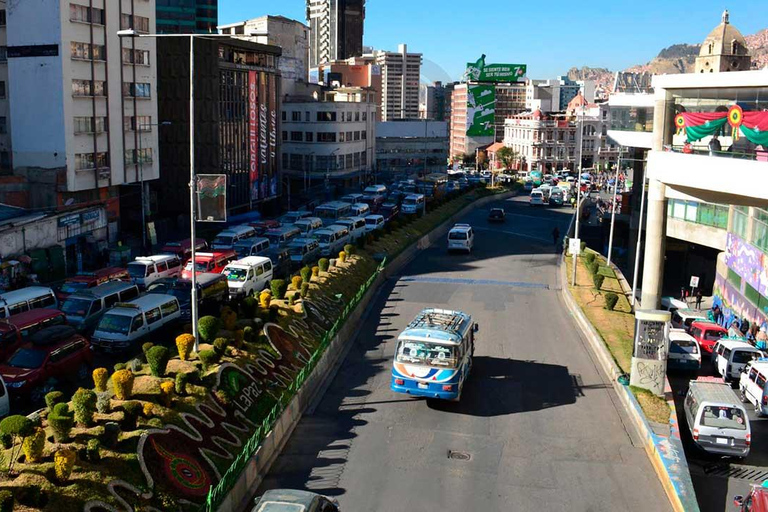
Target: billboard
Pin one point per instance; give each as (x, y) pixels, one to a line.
(211, 190)
(481, 110)
(481, 72)
(253, 133)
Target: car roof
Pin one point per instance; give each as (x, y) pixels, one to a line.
(29, 291)
(680, 335)
(249, 261)
(288, 496)
(708, 324)
(143, 303)
(691, 313)
(102, 290)
(248, 242)
(52, 336)
(732, 343)
(32, 316)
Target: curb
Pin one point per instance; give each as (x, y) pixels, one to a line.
(665, 453)
(307, 397)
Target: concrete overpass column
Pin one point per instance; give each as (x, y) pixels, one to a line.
(653, 267)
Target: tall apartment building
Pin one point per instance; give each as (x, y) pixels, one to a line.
(432, 101)
(336, 29)
(187, 16)
(290, 35)
(400, 74)
(84, 101)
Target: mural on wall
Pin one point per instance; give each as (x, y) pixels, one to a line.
(184, 460)
(734, 306)
(747, 261)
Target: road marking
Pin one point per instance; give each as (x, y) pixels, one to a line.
(547, 240)
(479, 282)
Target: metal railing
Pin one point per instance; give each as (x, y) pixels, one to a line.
(216, 494)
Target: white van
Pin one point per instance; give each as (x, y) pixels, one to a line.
(303, 250)
(672, 304)
(248, 276)
(413, 204)
(355, 225)
(146, 270)
(717, 421)
(461, 238)
(130, 322)
(31, 297)
(293, 217)
(375, 190)
(308, 225)
(374, 222)
(251, 247)
(230, 236)
(537, 198)
(85, 308)
(684, 351)
(752, 386)
(683, 318)
(359, 210)
(332, 239)
(730, 356)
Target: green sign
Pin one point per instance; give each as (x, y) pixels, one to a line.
(481, 72)
(481, 110)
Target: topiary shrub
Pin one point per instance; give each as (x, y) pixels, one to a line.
(166, 391)
(103, 402)
(208, 327)
(597, 280)
(63, 462)
(84, 404)
(184, 344)
(155, 423)
(36, 420)
(265, 299)
(180, 384)
(33, 445)
(274, 313)
(110, 435)
(61, 420)
(220, 345)
(304, 290)
(119, 366)
(16, 427)
(349, 249)
(148, 409)
(122, 381)
(100, 378)
(250, 307)
(6, 440)
(6, 501)
(248, 333)
(583, 246)
(306, 274)
(53, 398)
(315, 271)
(593, 267)
(279, 287)
(208, 358)
(291, 300)
(589, 257)
(158, 357)
(342, 257)
(146, 346)
(610, 301)
(323, 264)
(228, 318)
(296, 282)
(131, 412)
(93, 450)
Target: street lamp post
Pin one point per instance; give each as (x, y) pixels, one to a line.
(613, 209)
(192, 178)
(578, 189)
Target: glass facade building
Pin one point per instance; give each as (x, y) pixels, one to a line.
(187, 16)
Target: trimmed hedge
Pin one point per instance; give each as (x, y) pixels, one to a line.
(278, 287)
(84, 404)
(158, 358)
(610, 301)
(208, 327)
(306, 274)
(324, 264)
(597, 280)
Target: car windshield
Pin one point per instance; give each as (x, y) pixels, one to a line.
(372, 222)
(75, 307)
(274, 239)
(116, 324)
(723, 417)
(324, 213)
(137, 270)
(290, 218)
(409, 200)
(27, 358)
(744, 356)
(235, 274)
(242, 252)
(457, 235)
(223, 240)
(74, 286)
(426, 353)
(296, 250)
(183, 294)
(200, 266)
(324, 238)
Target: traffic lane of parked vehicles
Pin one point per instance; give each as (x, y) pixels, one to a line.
(535, 422)
(716, 479)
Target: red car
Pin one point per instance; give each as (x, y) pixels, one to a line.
(183, 248)
(86, 280)
(209, 262)
(707, 334)
(10, 340)
(29, 322)
(51, 355)
(755, 501)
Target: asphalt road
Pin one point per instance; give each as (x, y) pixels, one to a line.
(537, 427)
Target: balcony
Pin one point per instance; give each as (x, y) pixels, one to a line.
(713, 179)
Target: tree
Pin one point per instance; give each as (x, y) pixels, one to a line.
(468, 159)
(482, 157)
(507, 156)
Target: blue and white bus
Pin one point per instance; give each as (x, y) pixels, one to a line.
(434, 355)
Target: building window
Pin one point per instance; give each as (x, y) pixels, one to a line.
(341, 137)
(357, 135)
(90, 125)
(88, 88)
(326, 116)
(138, 57)
(82, 14)
(285, 136)
(141, 123)
(88, 161)
(285, 157)
(2, 89)
(136, 90)
(308, 136)
(326, 137)
(306, 117)
(3, 125)
(365, 116)
(297, 136)
(357, 116)
(2, 17)
(363, 135)
(137, 23)
(295, 116)
(138, 156)
(284, 113)
(296, 162)
(5, 160)
(3, 54)
(86, 51)
(760, 229)
(740, 219)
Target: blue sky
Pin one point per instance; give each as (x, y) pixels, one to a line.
(548, 36)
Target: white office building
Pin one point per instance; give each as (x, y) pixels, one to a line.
(400, 75)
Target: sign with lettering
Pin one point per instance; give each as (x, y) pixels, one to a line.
(253, 133)
(694, 281)
(69, 220)
(649, 354)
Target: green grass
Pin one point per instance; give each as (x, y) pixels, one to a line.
(656, 408)
(606, 271)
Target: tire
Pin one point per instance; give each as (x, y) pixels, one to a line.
(758, 409)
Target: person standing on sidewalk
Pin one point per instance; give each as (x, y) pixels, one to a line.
(698, 298)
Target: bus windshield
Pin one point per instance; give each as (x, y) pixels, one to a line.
(426, 353)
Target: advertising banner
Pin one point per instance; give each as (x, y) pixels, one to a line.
(481, 72)
(273, 174)
(253, 133)
(263, 133)
(481, 110)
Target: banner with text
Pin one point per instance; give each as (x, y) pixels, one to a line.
(253, 133)
(481, 110)
(481, 72)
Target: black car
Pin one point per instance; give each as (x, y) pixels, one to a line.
(497, 215)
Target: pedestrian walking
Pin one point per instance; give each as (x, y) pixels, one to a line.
(555, 235)
(761, 339)
(714, 146)
(733, 330)
(698, 298)
(682, 293)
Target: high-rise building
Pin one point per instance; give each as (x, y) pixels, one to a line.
(353, 72)
(336, 29)
(400, 75)
(187, 16)
(432, 101)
